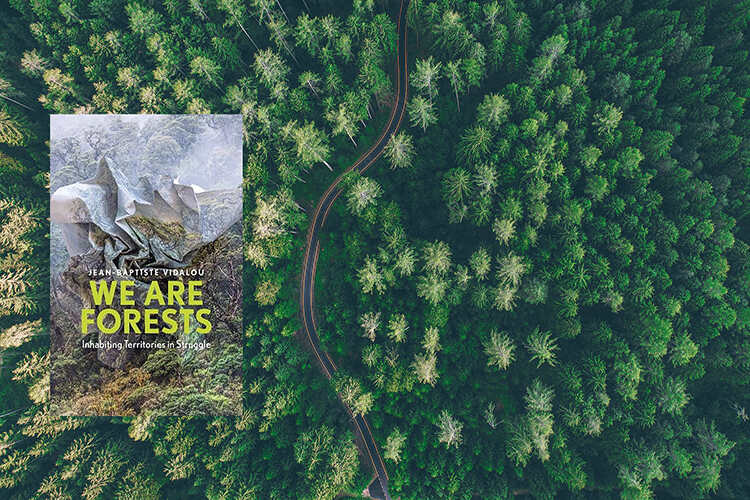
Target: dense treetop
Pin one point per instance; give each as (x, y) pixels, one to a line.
(542, 288)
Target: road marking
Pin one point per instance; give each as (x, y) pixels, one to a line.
(309, 285)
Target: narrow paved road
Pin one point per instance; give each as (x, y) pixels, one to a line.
(320, 215)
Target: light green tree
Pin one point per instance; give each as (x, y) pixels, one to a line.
(431, 341)
(542, 347)
(425, 76)
(437, 257)
(480, 263)
(370, 321)
(511, 269)
(500, 350)
(394, 445)
(674, 396)
(449, 430)
(485, 178)
(505, 297)
(370, 277)
(406, 261)
(493, 110)
(432, 288)
(363, 193)
(425, 368)
(421, 112)
(400, 150)
(474, 144)
(343, 122)
(397, 328)
(504, 230)
(607, 119)
(457, 185)
(312, 144)
(456, 78)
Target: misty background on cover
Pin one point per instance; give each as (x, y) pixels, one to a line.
(97, 158)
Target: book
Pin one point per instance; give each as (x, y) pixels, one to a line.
(146, 265)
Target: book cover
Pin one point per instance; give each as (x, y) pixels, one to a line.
(146, 264)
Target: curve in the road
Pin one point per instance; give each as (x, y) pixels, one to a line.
(320, 215)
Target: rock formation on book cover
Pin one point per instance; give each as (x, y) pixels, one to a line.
(146, 264)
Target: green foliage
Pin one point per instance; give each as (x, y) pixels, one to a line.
(570, 235)
(590, 178)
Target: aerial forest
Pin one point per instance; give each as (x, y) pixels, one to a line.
(540, 289)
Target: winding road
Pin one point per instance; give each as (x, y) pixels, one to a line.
(307, 288)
